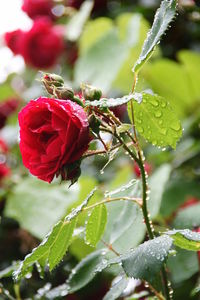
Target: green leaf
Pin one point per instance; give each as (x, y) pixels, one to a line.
(156, 121)
(164, 76)
(96, 225)
(77, 22)
(185, 239)
(188, 217)
(182, 266)
(6, 92)
(162, 19)
(46, 251)
(176, 193)
(112, 102)
(55, 244)
(102, 62)
(82, 274)
(133, 29)
(191, 62)
(45, 204)
(94, 30)
(125, 227)
(145, 261)
(61, 244)
(157, 184)
(116, 289)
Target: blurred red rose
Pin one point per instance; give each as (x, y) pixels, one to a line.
(38, 8)
(147, 167)
(6, 109)
(42, 44)
(13, 40)
(4, 171)
(53, 133)
(3, 147)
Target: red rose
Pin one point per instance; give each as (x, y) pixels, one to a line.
(6, 109)
(53, 134)
(36, 8)
(42, 44)
(13, 40)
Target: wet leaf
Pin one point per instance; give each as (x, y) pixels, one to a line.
(96, 225)
(185, 239)
(162, 19)
(156, 121)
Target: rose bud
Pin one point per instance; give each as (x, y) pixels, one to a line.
(53, 133)
(42, 44)
(147, 167)
(13, 40)
(38, 8)
(90, 92)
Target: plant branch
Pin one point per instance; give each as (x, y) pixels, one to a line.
(108, 200)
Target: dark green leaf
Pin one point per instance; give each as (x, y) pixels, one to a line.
(176, 193)
(183, 265)
(185, 239)
(55, 244)
(145, 261)
(96, 225)
(82, 274)
(157, 184)
(156, 121)
(42, 206)
(162, 19)
(188, 217)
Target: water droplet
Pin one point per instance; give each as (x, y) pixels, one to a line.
(160, 122)
(140, 129)
(163, 104)
(154, 102)
(175, 126)
(158, 114)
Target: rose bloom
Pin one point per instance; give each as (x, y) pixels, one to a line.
(12, 40)
(38, 8)
(40, 46)
(53, 134)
